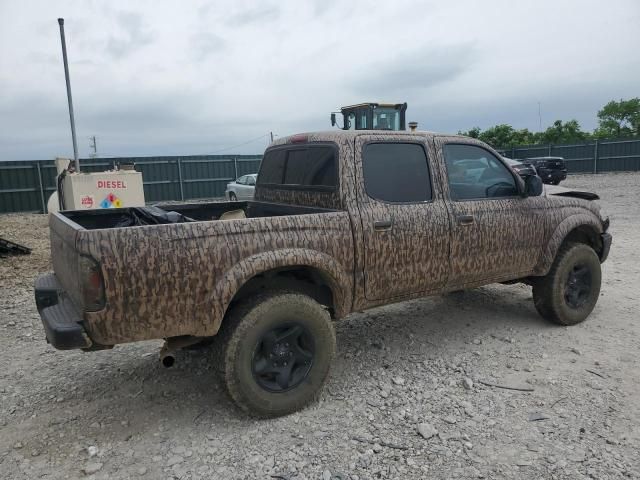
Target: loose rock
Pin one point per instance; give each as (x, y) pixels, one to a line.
(92, 450)
(426, 430)
(174, 460)
(91, 468)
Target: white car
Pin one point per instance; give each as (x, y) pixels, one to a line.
(242, 188)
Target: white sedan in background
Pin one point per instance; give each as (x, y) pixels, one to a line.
(242, 188)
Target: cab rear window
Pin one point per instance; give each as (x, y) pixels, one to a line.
(300, 166)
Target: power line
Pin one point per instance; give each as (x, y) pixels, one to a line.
(240, 144)
(104, 155)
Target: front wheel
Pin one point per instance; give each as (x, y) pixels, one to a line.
(569, 292)
(232, 197)
(278, 351)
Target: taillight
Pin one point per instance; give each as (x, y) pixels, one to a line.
(92, 284)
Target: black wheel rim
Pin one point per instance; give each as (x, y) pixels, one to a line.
(578, 286)
(283, 357)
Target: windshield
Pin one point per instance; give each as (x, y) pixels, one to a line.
(386, 119)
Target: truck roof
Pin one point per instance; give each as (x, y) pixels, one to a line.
(337, 135)
(377, 104)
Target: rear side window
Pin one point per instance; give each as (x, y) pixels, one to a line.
(396, 172)
(272, 166)
(306, 166)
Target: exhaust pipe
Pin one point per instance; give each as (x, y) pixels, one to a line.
(172, 344)
(167, 360)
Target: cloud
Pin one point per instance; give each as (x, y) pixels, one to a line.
(419, 69)
(177, 78)
(320, 7)
(259, 14)
(132, 36)
(205, 44)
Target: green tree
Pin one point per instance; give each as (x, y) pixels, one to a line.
(502, 136)
(498, 136)
(525, 137)
(473, 133)
(619, 119)
(564, 132)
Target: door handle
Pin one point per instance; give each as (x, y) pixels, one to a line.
(465, 219)
(381, 225)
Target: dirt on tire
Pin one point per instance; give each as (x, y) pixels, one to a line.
(244, 327)
(548, 291)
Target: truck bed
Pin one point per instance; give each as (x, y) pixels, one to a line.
(173, 279)
(113, 218)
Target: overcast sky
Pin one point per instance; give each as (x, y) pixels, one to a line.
(166, 77)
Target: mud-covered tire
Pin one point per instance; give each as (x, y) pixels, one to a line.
(260, 325)
(554, 295)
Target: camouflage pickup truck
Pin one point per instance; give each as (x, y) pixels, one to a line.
(341, 221)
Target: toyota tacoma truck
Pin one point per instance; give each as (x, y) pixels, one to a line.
(340, 222)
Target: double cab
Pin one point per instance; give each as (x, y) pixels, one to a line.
(341, 221)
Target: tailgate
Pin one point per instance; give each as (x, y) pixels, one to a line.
(65, 256)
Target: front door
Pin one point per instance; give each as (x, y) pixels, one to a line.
(496, 233)
(404, 218)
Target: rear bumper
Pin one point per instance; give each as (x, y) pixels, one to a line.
(61, 320)
(606, 246)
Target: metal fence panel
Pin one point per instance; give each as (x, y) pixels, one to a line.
(248, 165)
(579, 158)
(619, 156)
(19, 187)
(589, 157)
(25, 186)
(527, 152)
(206, 179)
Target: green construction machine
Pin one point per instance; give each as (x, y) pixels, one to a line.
(372, 116)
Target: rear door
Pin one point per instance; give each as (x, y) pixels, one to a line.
(404, 218)
(496, 233)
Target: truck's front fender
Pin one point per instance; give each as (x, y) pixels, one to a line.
(559, 235)
(339, 280)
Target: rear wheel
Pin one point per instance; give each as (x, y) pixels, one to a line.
(569, 292)
(278, 352)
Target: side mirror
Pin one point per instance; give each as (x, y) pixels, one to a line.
(532, 186)
(333, 119)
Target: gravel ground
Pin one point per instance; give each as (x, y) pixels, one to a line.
(406, 398)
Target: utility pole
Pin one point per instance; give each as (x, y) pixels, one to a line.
(93, 146)
(539, 118)
(69, 100)
(271, 133)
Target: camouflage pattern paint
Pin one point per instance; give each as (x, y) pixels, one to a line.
(179, 279)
